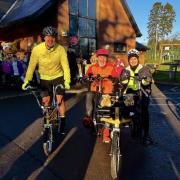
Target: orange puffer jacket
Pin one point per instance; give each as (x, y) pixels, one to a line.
(107, 70)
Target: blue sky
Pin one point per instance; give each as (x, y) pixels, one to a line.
(141, 9)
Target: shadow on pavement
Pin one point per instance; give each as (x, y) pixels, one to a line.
(69, 161)
(133, 156)
(73, 154)
(16, 116)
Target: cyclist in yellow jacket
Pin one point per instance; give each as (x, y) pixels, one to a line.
(53, 68)
(136, 69)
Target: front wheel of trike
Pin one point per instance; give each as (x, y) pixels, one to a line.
(116, 158)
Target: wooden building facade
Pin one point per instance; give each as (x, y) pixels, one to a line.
(95, 24)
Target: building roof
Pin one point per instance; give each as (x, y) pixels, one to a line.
(141, 47)
(131, 18)
(15, 11)
(4, 6)
(21, 10)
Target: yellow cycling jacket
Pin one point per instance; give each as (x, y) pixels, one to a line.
(132, 84)
(52, 63)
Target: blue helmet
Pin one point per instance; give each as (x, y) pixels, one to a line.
(49, 30)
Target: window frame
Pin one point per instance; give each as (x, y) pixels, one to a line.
(124, 49)
(88, 18)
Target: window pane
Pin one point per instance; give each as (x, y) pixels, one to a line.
(91, 28)
(92, 8)
(119, 47)
(82, 7)
(84, 47)
(83, 27)
(72, 6)
(92, 46)
(73, 25)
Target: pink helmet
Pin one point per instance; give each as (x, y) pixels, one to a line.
(103, 52)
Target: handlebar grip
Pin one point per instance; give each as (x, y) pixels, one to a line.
(28, 87)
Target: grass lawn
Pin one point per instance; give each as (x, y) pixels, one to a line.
(162, 74)
(166, 68)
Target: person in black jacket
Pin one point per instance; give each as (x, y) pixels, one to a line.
(72, 65)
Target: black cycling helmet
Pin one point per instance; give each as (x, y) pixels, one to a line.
(49, 30)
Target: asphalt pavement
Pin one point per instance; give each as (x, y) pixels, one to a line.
(79, 154)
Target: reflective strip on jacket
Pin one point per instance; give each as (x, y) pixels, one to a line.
(52, 63)
(132, 84)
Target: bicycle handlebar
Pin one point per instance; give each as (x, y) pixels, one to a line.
(34, 91)
(91, 78)
(31, 88)
(137, 78)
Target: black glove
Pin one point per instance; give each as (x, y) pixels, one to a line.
(145, 73)
(125, 75)
(151, 67)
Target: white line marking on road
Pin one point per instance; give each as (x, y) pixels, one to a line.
(14, 96)
(71, 91)
(165, 98)
(168, 93)
(174, 88)
(162, 104)
(163, 113)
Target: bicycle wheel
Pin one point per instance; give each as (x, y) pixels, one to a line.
(48, 141)
(116, 158)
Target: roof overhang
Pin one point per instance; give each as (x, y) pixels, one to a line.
(131, 18)
(141, 47)
(21, 11)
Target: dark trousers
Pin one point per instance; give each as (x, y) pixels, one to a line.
(144, 110)
(145, 114)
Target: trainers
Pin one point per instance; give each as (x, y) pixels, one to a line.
(106, 138)
(87, 122)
